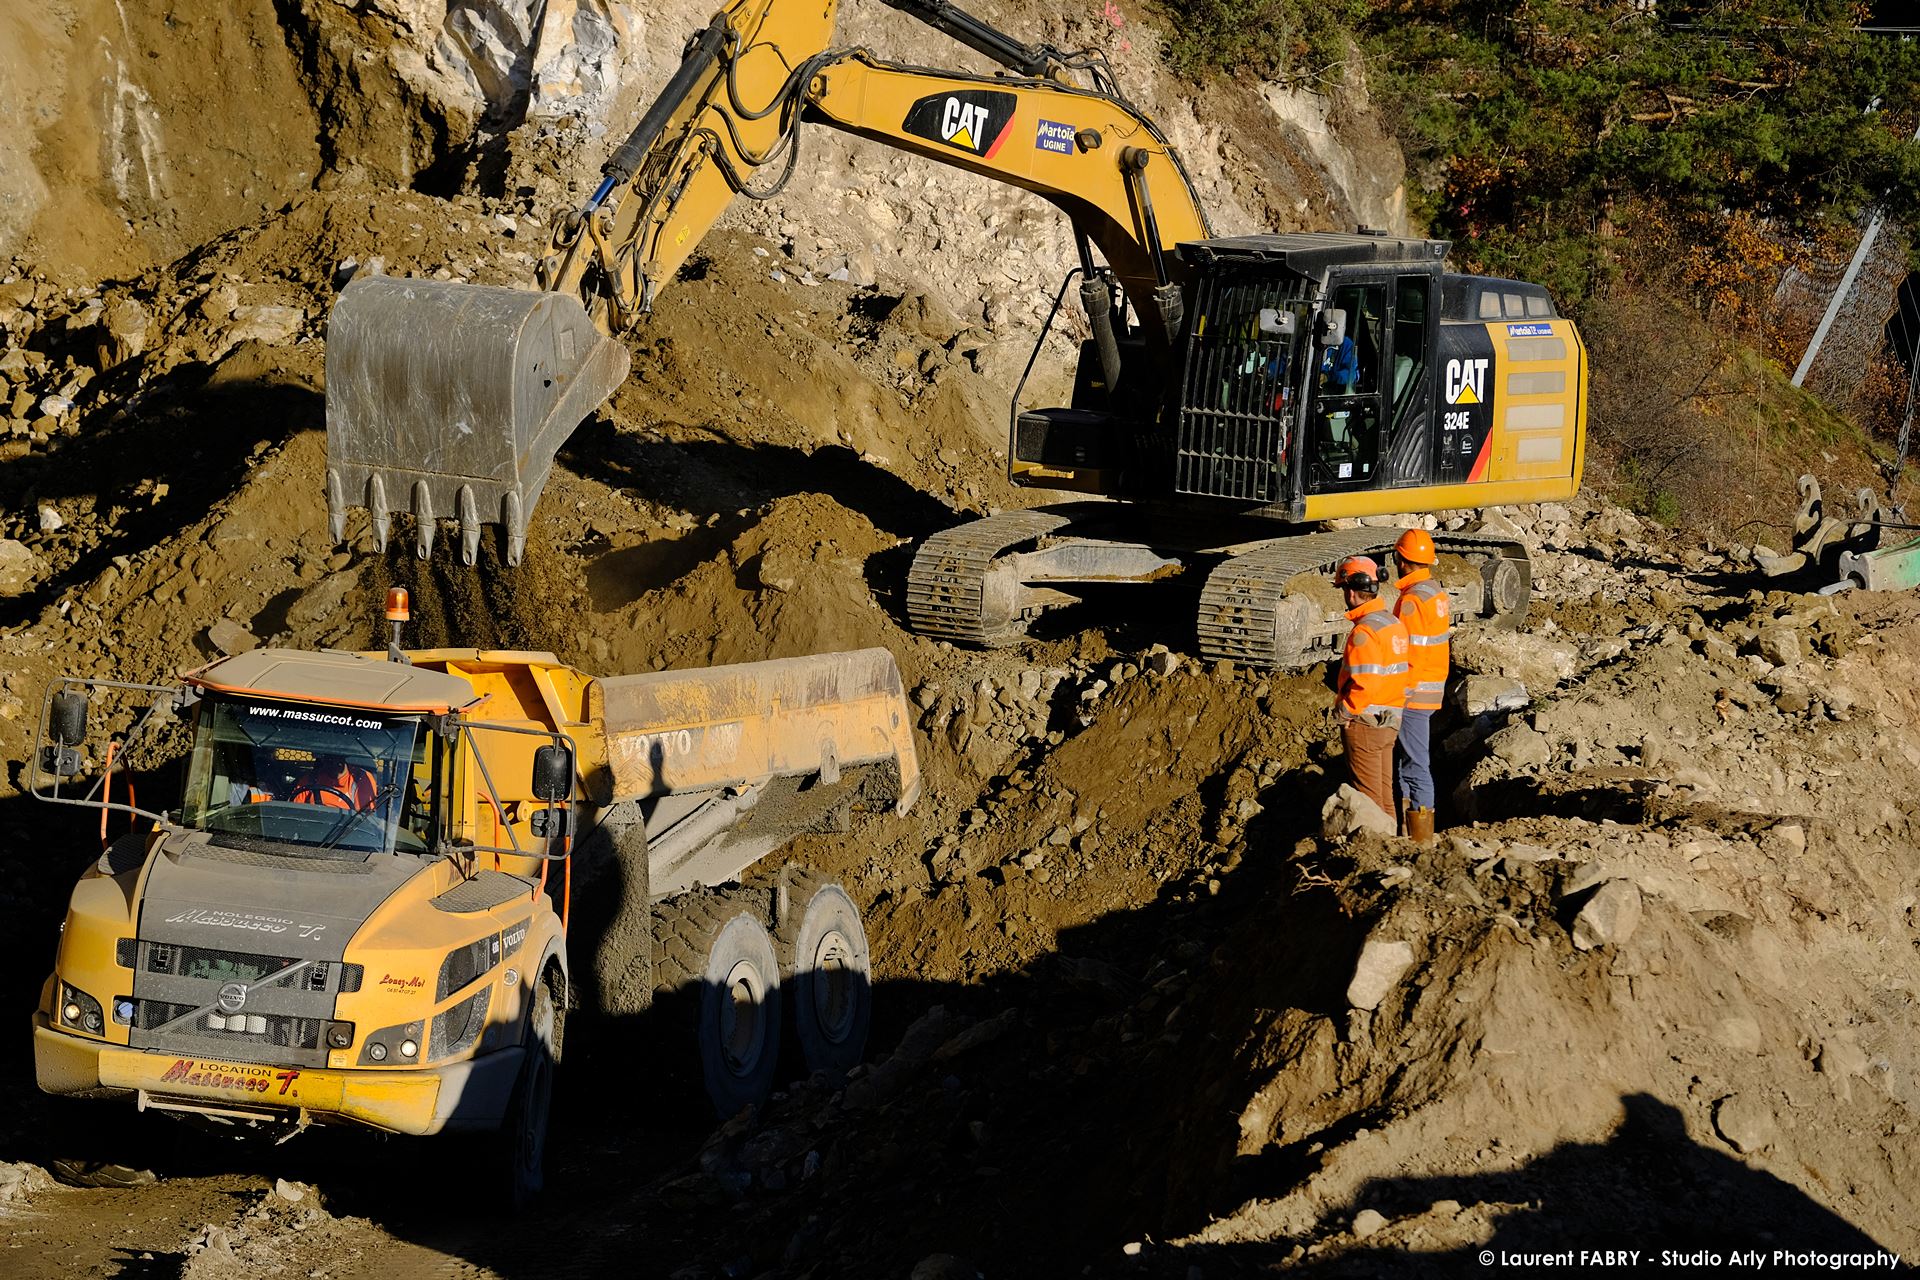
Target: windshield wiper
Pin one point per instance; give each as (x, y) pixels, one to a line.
(385, 793)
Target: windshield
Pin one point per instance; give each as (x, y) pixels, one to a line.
(321, 778)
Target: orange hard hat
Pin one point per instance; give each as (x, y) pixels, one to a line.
(1358, 572)
(1415, 547)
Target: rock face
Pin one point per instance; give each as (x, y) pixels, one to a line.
(419, 92)
(129, 133)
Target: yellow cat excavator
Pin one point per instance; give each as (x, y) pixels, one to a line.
(1230, 384)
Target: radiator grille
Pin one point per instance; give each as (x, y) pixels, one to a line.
(260, 1029)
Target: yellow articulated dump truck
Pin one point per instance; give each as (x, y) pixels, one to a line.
(359, 910)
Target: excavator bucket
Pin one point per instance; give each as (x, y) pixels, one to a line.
(449, 401)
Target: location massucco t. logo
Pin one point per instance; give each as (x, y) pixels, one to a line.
(972, 120)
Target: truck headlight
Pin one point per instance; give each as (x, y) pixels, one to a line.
(80, 1010)
(393, 1041)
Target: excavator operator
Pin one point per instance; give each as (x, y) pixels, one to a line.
(335, 783)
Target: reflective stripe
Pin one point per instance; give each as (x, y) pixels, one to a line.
(1439, 639)
(1380, 669)
(1428, 589)
(1430, 686)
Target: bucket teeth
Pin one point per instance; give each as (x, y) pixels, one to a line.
(516, 521)
(336, 507)
(469, 525)
(381, 513)
(422, 520)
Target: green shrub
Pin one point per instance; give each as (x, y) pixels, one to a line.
(1289, 40)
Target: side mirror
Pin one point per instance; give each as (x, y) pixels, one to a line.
(67, 721)
(1275, 323)
(552, 774)
(1330, 330)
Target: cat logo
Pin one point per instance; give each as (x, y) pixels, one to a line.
(976, 121)
(1467, 381)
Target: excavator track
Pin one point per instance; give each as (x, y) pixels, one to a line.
(1247, 614)
(948, 592)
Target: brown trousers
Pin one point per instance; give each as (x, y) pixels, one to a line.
(1370, 760)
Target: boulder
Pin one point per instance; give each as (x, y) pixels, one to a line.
(1520, 746)
(18, 567)
(1348, 811)
(271, 325)
(323, 600)
(1781, 645)
(1841, 1056)
(1610, 916)
(1379, 970)
(18, 1181)
(229, 637)
(1493, 522)
(1747, 1123)
(124, 330)
(1739, 1032)
(1478, 695)
(1368, 1222)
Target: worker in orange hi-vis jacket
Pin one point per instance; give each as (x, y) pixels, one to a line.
(335, 783)
(1428, 616)
(1372, 681)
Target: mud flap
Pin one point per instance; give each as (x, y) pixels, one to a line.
(448, 401)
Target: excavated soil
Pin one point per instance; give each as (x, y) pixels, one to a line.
(1142, 1008)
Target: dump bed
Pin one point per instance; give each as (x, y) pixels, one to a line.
(676, 731)
(644, 737)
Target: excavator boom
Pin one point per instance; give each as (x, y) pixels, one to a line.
(449, 400)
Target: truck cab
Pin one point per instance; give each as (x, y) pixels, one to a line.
(346, 919)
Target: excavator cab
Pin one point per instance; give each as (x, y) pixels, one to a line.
(1330, 401)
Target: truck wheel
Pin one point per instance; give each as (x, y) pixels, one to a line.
(524, 1133)
(719, 941)
(829, 976)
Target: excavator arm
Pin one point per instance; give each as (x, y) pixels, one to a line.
(1084, 150)
(459, 395)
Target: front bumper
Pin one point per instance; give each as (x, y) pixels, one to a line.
(467, 1095)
